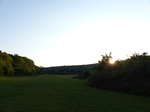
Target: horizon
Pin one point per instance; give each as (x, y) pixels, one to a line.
(77, 32)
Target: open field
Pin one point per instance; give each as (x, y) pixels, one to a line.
(62, 93)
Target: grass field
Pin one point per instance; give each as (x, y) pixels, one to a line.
(62, 93)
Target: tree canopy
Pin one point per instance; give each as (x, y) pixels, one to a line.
(130, 76)
(17, 65)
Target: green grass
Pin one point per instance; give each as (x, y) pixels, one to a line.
(62, 93)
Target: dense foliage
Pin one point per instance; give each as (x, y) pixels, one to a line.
(16, 65)
(67, 70)
(130, 76)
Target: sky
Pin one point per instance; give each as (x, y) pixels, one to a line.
(74, 32)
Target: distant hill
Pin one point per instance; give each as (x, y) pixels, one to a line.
(66, 70)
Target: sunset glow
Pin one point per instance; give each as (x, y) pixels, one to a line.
(112, 61)
(74, 32)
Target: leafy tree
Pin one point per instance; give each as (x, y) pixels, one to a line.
(129, 76)
(17, 65)
(104, 63)
(5, 64)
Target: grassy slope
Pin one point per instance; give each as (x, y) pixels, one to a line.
(57, 93)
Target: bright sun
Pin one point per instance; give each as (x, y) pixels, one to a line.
(112, 61)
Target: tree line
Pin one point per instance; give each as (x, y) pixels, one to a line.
(17, 65)
(67, 70)
(129, 76)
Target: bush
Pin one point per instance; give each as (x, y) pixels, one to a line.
(84, 75)
(129, 76)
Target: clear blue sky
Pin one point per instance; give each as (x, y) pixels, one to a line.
(70, 32)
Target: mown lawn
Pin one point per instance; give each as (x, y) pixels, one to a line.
(62, 93)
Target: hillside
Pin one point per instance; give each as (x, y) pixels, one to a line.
(66, 70)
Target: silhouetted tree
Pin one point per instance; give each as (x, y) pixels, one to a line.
(129, 76)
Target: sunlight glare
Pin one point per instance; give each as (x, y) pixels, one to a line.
(112, 61)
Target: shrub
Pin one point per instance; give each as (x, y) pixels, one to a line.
(84, 75)
(129, 76)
